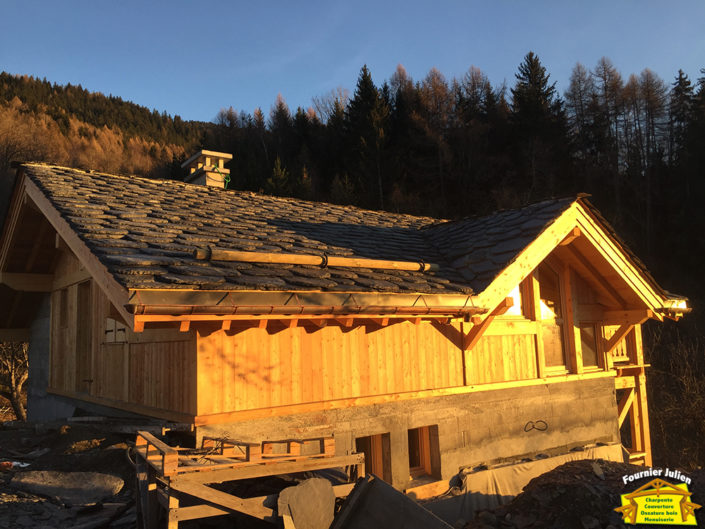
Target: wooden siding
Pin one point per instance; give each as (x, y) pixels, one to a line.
(254, 368)
(154, 369)
(209, 371)
(502, 358)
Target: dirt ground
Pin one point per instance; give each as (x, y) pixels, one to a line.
(66, 448)
(90, 447)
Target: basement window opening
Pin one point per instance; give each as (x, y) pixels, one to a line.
(423, 450)
(377, 450)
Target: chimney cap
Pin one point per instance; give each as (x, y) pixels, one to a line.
(208, 168)
(203, 153)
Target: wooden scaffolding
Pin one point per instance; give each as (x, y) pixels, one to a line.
(176, 483)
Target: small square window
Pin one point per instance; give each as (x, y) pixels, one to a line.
(115, 331)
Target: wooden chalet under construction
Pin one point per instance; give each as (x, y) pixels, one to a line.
(428, 345)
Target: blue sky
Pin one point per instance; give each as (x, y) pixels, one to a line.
(193, 58)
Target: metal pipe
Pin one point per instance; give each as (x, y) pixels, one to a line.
(218, 254)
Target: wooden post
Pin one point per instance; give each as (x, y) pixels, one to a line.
(147, 503)
(172, 512)
(534, 304)
(641, 400)
(573, 347)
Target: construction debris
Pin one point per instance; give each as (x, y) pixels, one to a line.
(376, 504)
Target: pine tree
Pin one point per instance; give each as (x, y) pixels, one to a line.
(680, 108)
(540, 128)
(366, 121)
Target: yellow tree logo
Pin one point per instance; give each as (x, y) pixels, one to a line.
(659, 502)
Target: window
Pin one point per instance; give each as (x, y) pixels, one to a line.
(422, 448)
(551, 316)
(588, 343)
(586, 316)
(115, 332)
(377, 450)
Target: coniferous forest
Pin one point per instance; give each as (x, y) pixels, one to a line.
(445, 148)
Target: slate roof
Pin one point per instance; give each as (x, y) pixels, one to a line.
(144, 231)
(481, 247)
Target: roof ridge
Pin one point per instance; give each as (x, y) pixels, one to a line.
(199, 187)
(551, 200)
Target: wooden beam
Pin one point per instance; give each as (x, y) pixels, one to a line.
(626, 317)
(616, 257)
(476, 332)
(643, 410)
(28, 282)
(529, 258)
(140, 409)
(115, 292)
(14, 335)
(267, 468)
(12, 218)
(533, 291)
(195, 512)
(617, 337)
(625, 405)
(252, 507)
(226, 325)
(38, 237)
(138, 325)
(573, 345)
(624, 382)
(382, 322)
(320, 323)
(262, 324)
(574, 234)
(345, 322)
(292, 323)
(71, 279)
(148, 499)
(585, 268)
(157, 453)
(219, 254)
(185, 326)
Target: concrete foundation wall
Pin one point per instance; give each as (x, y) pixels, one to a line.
(42, 406)
(473, 428)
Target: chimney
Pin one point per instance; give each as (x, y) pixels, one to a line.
(208, 168)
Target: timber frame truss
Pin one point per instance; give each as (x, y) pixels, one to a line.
(175, 483)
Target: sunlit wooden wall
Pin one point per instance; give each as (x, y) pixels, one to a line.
(256, 368)
(154, 369)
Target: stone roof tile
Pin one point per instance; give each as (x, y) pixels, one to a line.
(145, 231)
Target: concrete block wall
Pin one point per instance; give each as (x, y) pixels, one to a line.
(474, 428)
